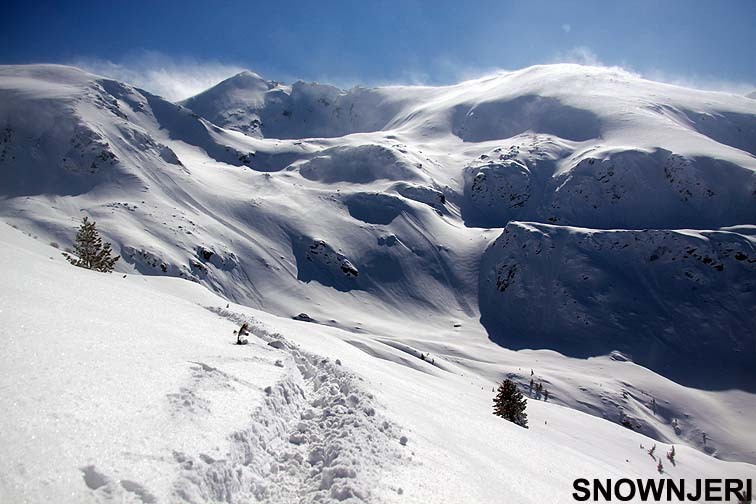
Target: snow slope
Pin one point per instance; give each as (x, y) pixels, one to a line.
(102, 406)
(394, 216)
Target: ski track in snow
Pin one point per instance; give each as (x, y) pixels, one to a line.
(317, 438)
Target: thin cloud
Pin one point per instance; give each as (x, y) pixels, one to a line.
(566, 28)
(172, 78)
(180, 78)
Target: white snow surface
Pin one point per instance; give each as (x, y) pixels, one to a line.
(120, 390)
(579, 221)
(130, 389)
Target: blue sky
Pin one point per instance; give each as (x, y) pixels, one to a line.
(184, 45)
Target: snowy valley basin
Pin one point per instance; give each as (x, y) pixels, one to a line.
(397, 252)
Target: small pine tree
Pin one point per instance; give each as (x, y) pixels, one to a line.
(89, 251)
(510, 404)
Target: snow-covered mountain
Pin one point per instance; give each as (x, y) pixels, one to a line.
(247, 103)
(565, 218)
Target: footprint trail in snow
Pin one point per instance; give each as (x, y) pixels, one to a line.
(316, 438)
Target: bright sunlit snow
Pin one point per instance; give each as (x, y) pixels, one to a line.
(580, 222)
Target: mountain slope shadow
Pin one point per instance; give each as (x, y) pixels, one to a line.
(499, 119)
(678, 303)
(374, 208)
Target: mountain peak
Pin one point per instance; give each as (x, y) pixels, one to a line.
(246, 85)
(244, 76)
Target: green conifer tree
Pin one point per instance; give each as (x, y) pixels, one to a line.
(89, 251)
(510, 404)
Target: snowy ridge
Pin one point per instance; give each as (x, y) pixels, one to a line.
(247, 103)
(605, 188)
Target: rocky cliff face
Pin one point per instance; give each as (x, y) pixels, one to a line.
(661, 297)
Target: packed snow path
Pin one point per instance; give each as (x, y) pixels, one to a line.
(317, 438)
